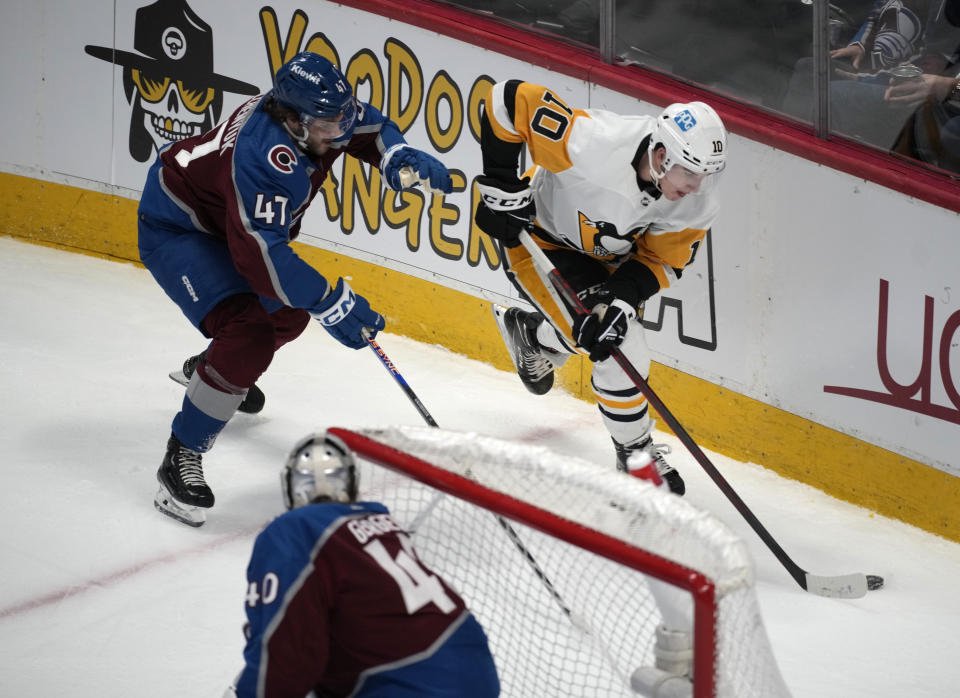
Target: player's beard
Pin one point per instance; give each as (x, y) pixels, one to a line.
(319, 148)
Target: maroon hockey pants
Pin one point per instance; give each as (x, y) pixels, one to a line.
(245, 337)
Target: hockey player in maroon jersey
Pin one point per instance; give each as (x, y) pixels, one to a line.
(620, 205)
(339, 603)
(216, 217)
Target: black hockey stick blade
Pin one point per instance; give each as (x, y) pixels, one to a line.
(848, 586)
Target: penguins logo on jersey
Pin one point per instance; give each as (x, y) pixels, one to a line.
(602, 239)
(282, 159)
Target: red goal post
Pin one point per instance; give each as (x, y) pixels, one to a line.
(554, 556)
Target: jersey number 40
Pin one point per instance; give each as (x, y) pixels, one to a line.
(417, 586)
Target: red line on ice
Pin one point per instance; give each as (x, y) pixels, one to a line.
(120, 575)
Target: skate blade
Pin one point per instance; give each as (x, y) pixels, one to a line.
(179, 377)
(166, 504)
(498, 312)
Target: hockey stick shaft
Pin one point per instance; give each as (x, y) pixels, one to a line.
(407, 390)
(844, 586)
(510, 530)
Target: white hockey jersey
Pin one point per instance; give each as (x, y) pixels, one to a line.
(585, 181)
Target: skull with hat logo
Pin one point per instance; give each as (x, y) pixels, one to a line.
(170, 83)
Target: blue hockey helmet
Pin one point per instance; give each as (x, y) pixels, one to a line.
(320, 467)
(316, 89)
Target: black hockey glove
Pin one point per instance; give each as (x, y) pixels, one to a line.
(505, 209)
(603, 329)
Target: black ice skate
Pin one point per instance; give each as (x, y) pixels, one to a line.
(518, 329)
(183, 492)
(656, 451)
(251, 404)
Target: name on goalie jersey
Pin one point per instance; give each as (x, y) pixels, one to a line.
(366, 528)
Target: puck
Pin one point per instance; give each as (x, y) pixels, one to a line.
(874, 582)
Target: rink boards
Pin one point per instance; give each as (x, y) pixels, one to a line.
(816, 333)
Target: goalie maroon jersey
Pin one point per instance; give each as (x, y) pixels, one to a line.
(338, 602)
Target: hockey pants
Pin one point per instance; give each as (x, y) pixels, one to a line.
(622, 406)
(245, 329)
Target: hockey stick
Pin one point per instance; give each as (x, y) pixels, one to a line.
(847, 586)
(392, 370)
(510, 530)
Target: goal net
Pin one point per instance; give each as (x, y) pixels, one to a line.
(571, 567)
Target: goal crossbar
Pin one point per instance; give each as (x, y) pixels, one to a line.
(699, 586)
(629, 569)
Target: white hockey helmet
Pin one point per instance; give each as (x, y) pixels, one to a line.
(694, 138)
(320, 466)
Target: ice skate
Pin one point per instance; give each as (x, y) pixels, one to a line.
(518, 329)
(657, 452)
(252, 403)
(183, 493)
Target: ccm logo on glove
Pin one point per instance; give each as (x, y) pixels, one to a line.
(505, 210)
(498, 201)
(347, 316)
(340, 308)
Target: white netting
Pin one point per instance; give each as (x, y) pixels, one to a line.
(572, 623)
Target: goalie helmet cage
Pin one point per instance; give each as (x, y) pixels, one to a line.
(553, 555)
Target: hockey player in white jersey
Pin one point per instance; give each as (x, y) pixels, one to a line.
(620, 205)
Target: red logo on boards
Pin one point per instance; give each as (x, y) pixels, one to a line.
(915, 397)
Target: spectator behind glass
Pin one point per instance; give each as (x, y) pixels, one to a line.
(891, 35)
(578, 20)
(932, 132)
(859, 106)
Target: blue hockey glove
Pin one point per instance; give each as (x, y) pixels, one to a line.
(345, 315)
(424, 165)
(603, 329)
(505, 209)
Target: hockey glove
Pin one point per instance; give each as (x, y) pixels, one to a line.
(425, 166)
(345, 315)
(603, 329)
(505, 209)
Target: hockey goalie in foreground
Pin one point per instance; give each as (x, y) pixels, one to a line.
(339, 603)
(620, 205)
(587, 582)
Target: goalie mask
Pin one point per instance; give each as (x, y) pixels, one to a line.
(695, 142)
(319, 467)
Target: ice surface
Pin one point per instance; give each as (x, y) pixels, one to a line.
(103, 596)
